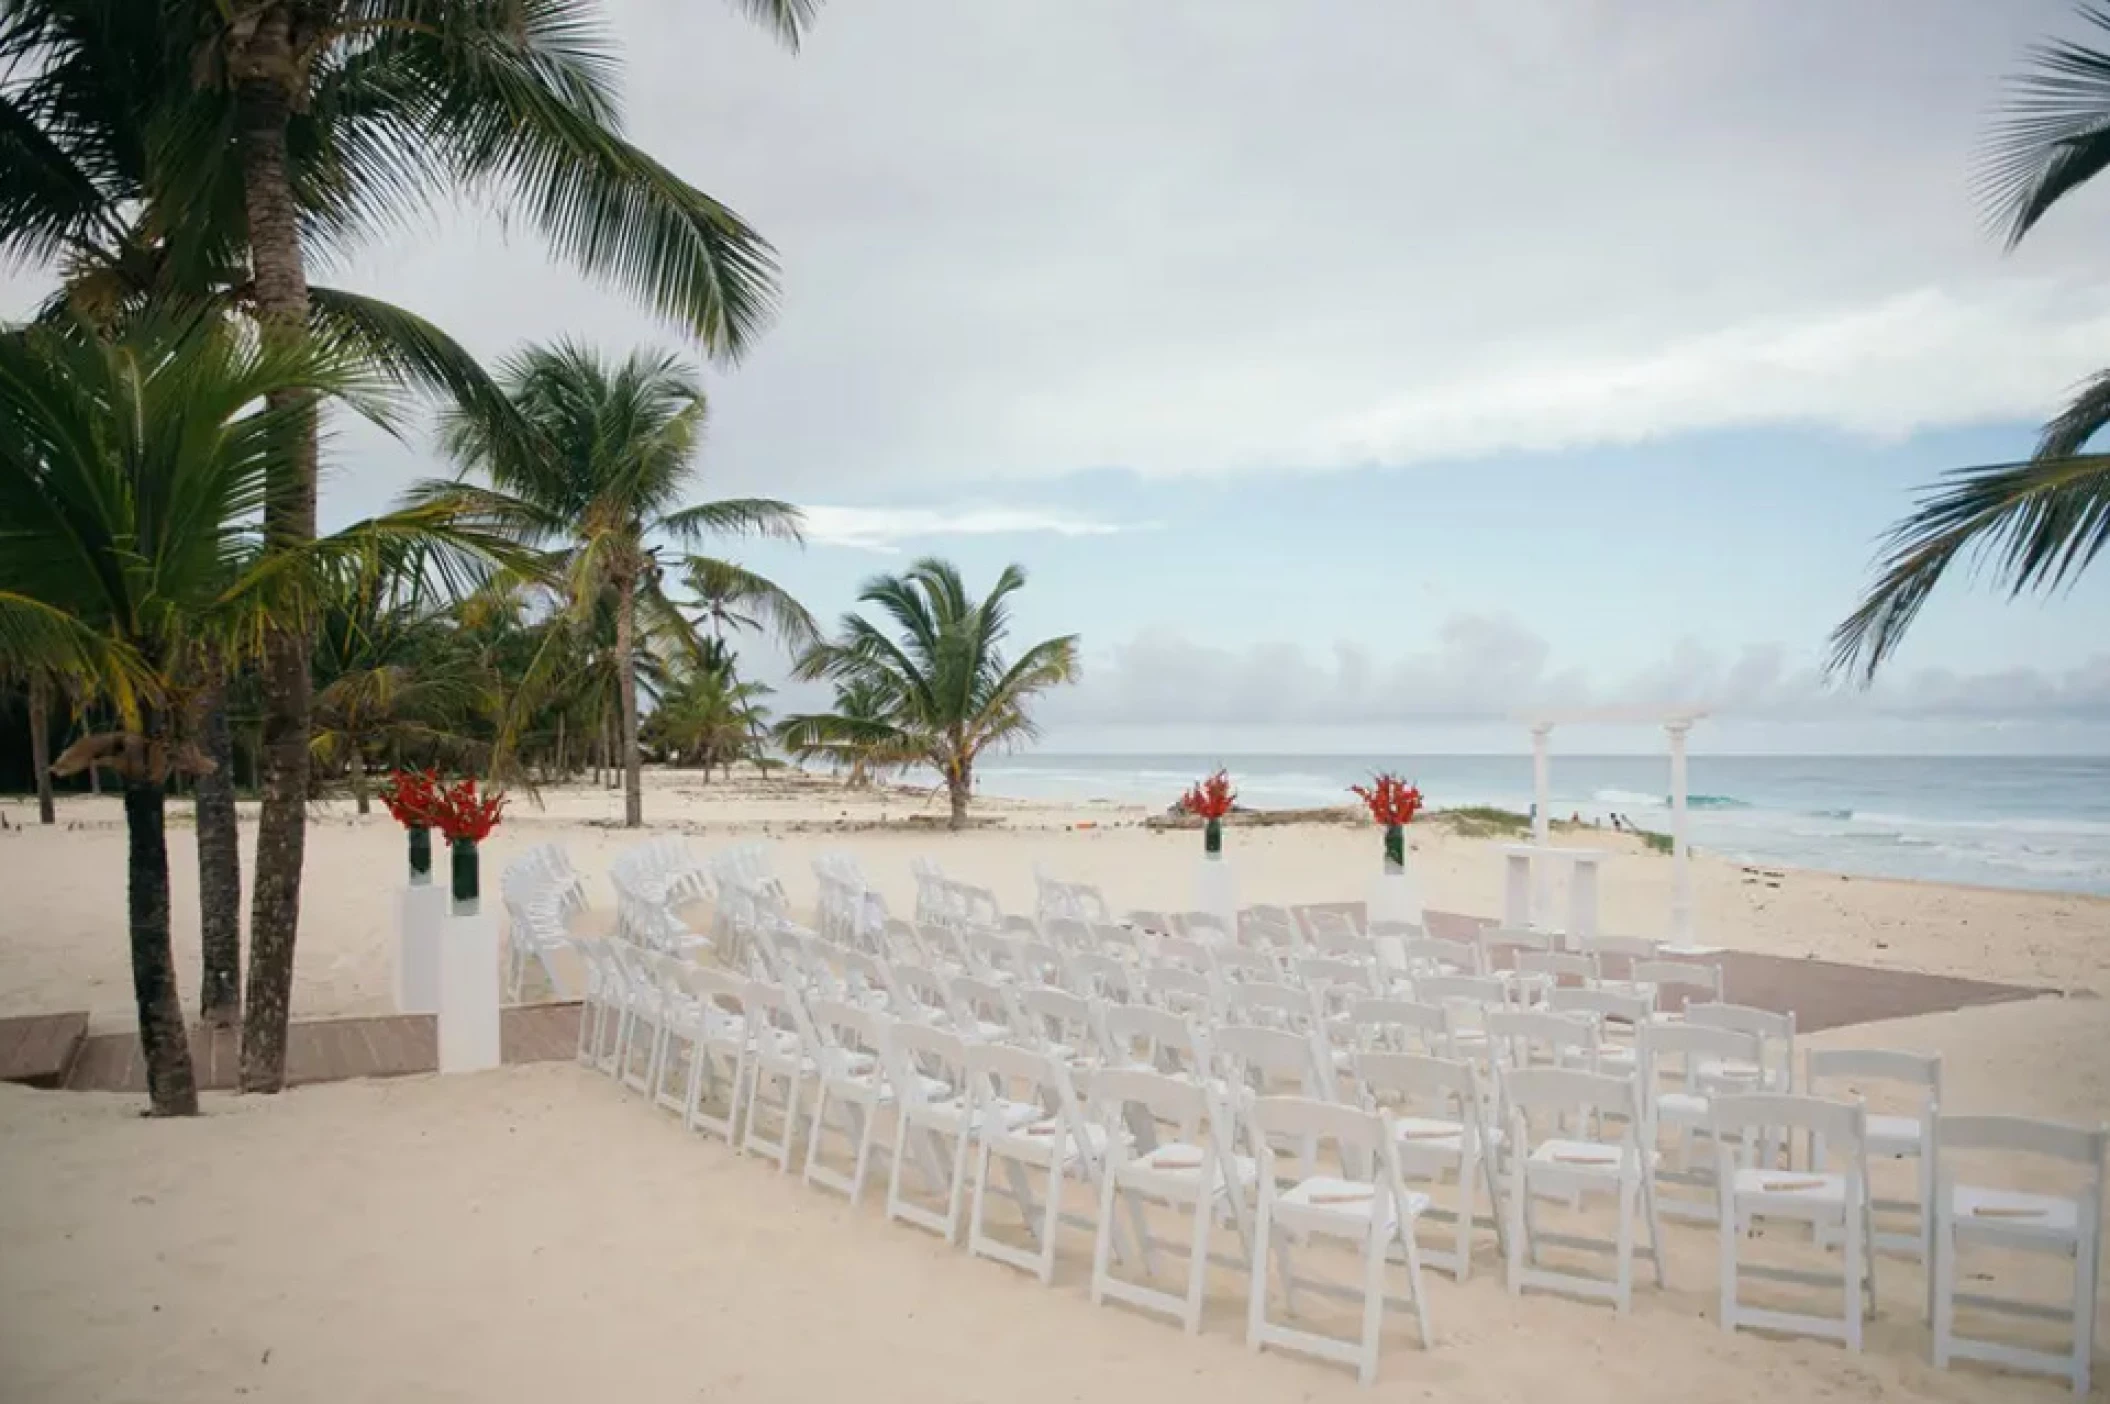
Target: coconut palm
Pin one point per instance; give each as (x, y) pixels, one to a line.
(390, 686)
(950, 693)
(175, 143)
(134, 478)
(707, 717)
(604, 466)
(857, 736)
(2036, 524)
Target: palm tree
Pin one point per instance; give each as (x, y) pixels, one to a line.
(2038, 523)
(173, 144)
(857, 735)
(388, 681)
(605, 461)
(951, 695)
(708, 717)
(134, 478)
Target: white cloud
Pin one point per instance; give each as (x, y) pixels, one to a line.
(887, 528)
(1491, 668)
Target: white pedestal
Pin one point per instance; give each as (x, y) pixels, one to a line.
(421, 911)
(1582, 899)
(1216, 891)
(468, 994)
(1395, 897)
(1516, 888)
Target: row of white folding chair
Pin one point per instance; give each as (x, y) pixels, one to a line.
(1069, 901)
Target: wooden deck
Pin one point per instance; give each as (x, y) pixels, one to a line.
(38, 1049)
(332, 1050)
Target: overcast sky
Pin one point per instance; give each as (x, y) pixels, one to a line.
(1368, 369)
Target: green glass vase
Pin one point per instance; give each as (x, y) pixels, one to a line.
(420, 855)
(1213, 838)
(1395, 848)
(465, 877)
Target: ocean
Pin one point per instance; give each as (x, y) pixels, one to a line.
(2024, 822)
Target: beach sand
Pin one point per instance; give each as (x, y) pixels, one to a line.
(62, 943)
(535, 1234)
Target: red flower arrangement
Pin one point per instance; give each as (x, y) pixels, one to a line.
(412, 796)
(460, 813)
(1391, 800)
(1211, 798)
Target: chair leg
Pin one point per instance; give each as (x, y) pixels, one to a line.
(1728, 1217)
(1103, 1237)
(1944, 1288)
(1857, 1253)
(1198, 1262)
(2084, 1291)
(1518, 1191)
(1050, 1219)
(1374, 1246)
(1624, 1266)
(1256, 1284)
(1654, 1221)
(867, 1119)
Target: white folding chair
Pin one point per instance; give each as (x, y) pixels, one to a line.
(927, 1068)
(1182, 991)
(2066, 1226)
(1373, 1213)
(1271, 1005)
(1096, 976)
(1675, 1097)
(1433, 955)
(982, 1010)
(1026, 1116)
(1401, 1026)
(718, 1043)
(1239, 963)
(1190, 1163)
(1443, 1133)
(779, 1065)
(1063, 1026)
(1574, 1168)
(1619, 1016)
(1817, 1195)
(1891, 1135)
(1150, 1039)
(852, 1081)
(1206, 928)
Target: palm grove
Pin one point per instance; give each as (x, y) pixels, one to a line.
(167, 605)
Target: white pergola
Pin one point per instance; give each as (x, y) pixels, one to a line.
(1676, 723)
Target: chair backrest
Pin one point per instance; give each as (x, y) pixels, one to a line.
(843, 1029)
(1039, 963)
(1022, 1075)
(976, 1002)
(992, 953)
(1558, 965)
(918, 1051)
(1116, 1095)
(1187, 991)
(722, 994)
(1327, 974)
(1125, 943)
(1315, 917)
(1157, 1038)
(1266, 926)
(1071, 934)
(1401, 1026)
(1678, 1050)
(2023, 1135)
(1187, 955)
(1359, 1134)
(1435, 956)
(1243, 963)
(1143, 919)
(1564, 1090)
(922, 996)
(1205, 927)
(1628, 948)
(1272, 1005)
(1247, 1055)
(1687, 980)
(778, 1007)
(1410, 1080)
(1476, 990)
(1609, 1005)
(1059, 1021)
(1336, 937)
(1841, 1126)
(1776, 1031)
(1498, 943)
(1097, 976)
(1526, 1038)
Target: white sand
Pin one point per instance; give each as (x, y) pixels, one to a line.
(534, 1234)
(62, 942)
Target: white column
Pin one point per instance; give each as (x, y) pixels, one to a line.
(1541, 820)
(1681, 859)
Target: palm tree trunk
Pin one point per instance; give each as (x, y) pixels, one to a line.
(219, 865)
(626, 684)
(959, 781)
(355, 768)
(172, 1087)
(262, 64)
(40, 747)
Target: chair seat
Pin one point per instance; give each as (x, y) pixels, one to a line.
(1042, 1142)
(1325, 1204)
(1593, 1159)
(1790, 1189)
(1730, 1070)
(2014, 1212)
(1616, 1058)
(1173, 1171)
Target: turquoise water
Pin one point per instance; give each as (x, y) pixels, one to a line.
(2030, 822)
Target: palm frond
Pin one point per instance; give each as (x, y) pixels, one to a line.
(2055, 136)
(2035, 525)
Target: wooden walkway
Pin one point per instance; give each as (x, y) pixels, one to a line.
(332, 1050)
(37, 1049)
